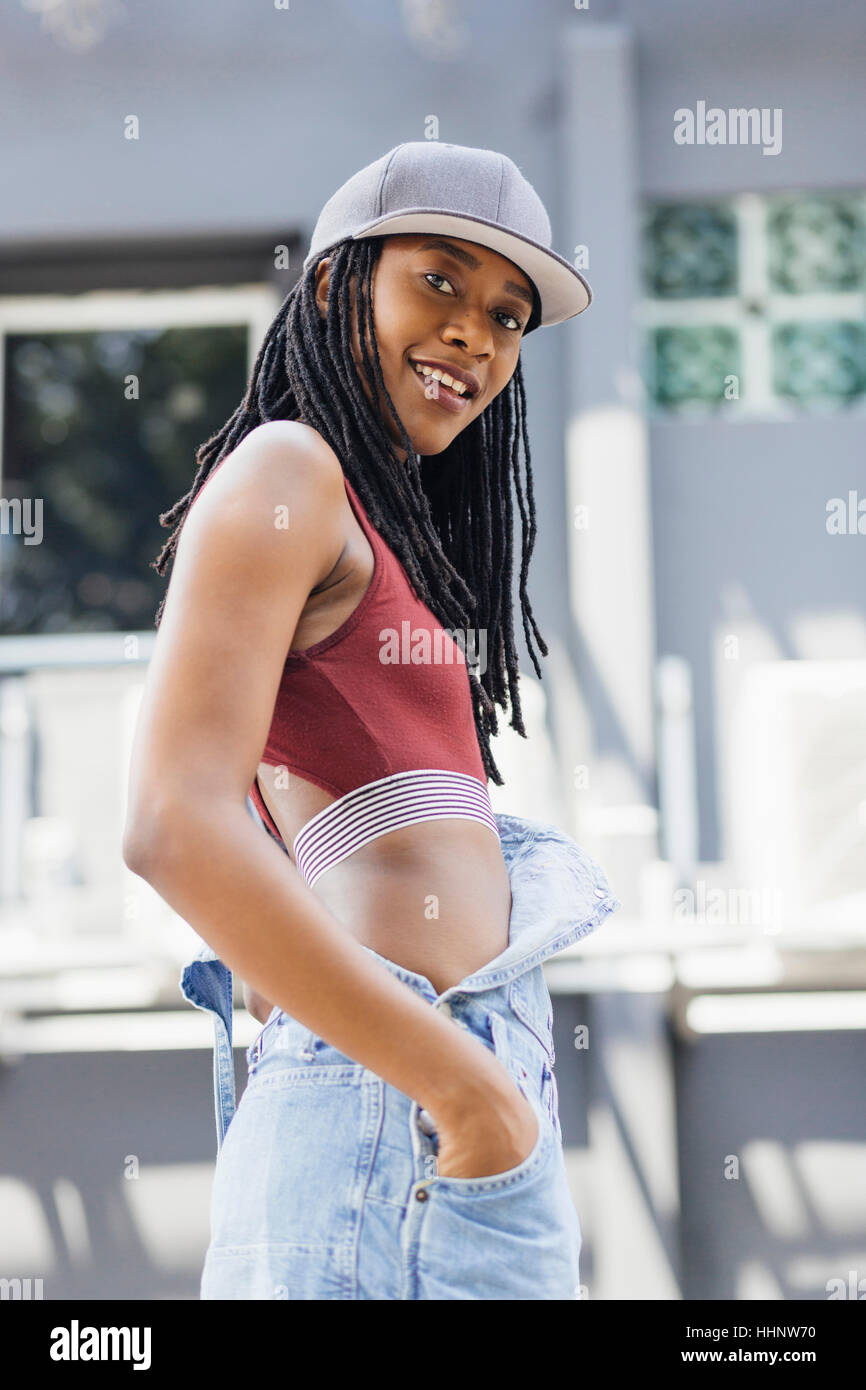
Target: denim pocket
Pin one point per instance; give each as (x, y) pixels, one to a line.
(290, 1182)
(503, 1236)
(510, 1177)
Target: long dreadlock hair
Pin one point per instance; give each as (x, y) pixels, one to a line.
(449, 518)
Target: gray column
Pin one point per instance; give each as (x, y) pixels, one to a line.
(610, 561)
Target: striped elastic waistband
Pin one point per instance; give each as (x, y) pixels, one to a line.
(387, 804)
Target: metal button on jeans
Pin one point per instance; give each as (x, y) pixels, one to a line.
(425, 1122)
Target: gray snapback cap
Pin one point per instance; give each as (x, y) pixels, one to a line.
(472, 194)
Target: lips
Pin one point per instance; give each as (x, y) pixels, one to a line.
(442, 398)
(469, 379)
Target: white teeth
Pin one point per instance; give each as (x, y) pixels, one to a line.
(459, 387)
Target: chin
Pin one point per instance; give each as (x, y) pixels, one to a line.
(431, 448)
(430, 442)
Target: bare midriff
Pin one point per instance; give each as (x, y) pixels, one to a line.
(434, 897)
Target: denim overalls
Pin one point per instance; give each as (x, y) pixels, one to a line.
(325, 1184)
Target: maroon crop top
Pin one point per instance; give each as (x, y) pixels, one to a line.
(386, 693)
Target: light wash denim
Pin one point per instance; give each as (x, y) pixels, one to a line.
(325, 1184)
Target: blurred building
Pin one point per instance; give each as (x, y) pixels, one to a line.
(697, 454)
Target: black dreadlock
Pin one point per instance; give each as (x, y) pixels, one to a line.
(449, 518)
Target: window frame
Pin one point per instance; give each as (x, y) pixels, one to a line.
(750, 211)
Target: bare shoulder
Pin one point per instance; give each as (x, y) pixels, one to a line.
(283, 480)
(291, 443)
(279, 460)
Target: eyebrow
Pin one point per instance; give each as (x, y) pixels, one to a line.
(473, 263)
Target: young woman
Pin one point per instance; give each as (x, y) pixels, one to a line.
(334, 641)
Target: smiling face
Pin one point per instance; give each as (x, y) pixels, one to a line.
(455, 306)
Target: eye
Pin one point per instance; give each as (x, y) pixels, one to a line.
(436, 276)
(501, 313)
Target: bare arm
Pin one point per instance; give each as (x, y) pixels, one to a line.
(238, 586)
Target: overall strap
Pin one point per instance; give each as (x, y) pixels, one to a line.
(207, 983)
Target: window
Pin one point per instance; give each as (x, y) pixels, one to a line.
(755, 306)
(106, 398)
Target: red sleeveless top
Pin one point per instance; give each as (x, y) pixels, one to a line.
(387, 693)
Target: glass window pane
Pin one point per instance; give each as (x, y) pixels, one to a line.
(690, 365)
(102, 428)
(819, 362)
(690, 251)
(817, 243)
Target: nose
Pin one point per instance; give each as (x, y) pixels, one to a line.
(472, 332)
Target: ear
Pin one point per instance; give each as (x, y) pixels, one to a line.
(323, 275)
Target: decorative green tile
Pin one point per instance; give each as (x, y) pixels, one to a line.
(817, 242)
(690, 251)
(819, 362)
(690, 365)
